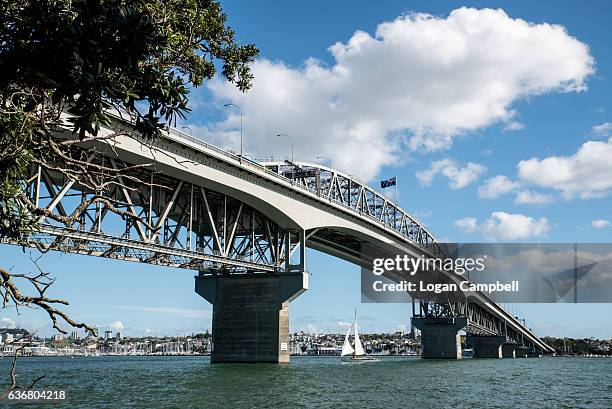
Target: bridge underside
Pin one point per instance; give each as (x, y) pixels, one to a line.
(164, 221)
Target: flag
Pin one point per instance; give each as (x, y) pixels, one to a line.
(388, 182)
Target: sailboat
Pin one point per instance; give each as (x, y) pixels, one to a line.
(356, 354)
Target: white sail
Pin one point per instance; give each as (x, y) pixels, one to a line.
(347, 349)
(358, 348)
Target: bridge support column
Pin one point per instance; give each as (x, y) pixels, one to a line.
(251, 314)
(533, 353)
(509, 350)
(520, 352)
(486, 346)
(440, 337)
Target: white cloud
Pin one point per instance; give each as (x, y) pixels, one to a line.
(532, 198)
(419, 81)
(506, 226)
(586, 174)
(514, 126)
(600, 223)
(458, 177)
(604, 129)
(496, 186)
(7, 323)
(116, 325)
(344, 324)
(502, 226)
(467, 224)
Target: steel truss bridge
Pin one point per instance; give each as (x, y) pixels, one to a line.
(209, 210)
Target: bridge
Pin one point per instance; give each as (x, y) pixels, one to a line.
(244, 227)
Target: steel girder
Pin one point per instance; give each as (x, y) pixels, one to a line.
(479, 320)
(176, 223)
(350, 192)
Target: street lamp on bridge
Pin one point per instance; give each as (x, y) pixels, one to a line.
(291, 139)
(239, 110)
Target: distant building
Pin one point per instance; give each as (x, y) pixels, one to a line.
(321, 350)
(57, 337)
(74, 335)
(118, 335)
(108, 334)
(7, 350)
(8, 338)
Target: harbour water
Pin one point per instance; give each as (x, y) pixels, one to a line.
(317, 382)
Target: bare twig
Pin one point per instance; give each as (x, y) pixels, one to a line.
(13, 373)
(41, 281)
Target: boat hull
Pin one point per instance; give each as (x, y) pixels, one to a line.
(359, 359)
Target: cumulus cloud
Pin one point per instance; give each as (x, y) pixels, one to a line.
(458, 177)
(586, 174)
(467, 224)
(496, 186)
(604, 129)
(502, 226)
(116, 325)
(514, 126)
(419, 81)
(7, 323)
(600, 223)
(532, 198)
(344, 324)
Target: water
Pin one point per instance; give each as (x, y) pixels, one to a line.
(310, 382)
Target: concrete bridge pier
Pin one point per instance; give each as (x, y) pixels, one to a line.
(509, 350)
(521, 352)
(250, 320)
(534, 353)
(486, 346)
(440, 337)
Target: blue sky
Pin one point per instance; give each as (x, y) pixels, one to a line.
(544, 136)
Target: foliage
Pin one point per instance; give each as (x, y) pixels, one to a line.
(91, 57)
(584, 346)
(65, 66)
(78, 60)
(15, 159)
